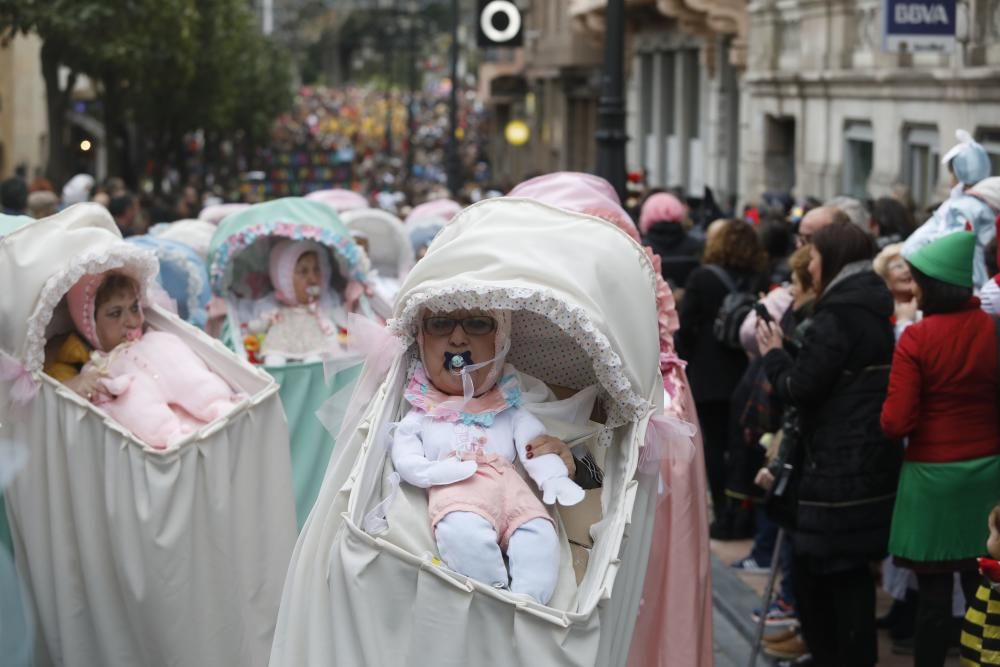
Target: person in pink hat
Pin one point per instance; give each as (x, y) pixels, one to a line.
(150, 382)
(662, 224)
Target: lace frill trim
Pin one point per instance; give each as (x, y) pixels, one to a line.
(141, 264)
(195, 281)
(623, 404)
(344, 248)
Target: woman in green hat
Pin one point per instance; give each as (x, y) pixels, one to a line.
(942, 397)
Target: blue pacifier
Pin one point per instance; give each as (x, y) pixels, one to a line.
(456, 362)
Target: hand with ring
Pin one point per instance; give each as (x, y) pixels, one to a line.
(87, 384)
(546, 444)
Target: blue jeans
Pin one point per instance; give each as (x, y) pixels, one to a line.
(763, 551)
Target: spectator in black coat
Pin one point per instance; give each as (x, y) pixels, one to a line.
(714, 369)
(662, 224)
(14, 196)
(847, 470)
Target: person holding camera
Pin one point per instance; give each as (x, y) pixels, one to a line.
(847, 469)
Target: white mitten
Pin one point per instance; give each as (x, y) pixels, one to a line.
(989, 297)
(562, 490)
(449, 471)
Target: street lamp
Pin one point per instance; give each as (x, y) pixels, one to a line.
(611, 136)
(452, 161)
(410, 26)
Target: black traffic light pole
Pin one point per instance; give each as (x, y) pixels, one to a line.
(452, 161)
(411, 106)
(611, 136)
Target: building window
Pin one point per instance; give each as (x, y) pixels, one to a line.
(779, 153)
(989, 137)
(921, 158)
(693, 92)
(646, 103)
(859, 149)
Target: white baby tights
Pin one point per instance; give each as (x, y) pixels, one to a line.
(468, 545)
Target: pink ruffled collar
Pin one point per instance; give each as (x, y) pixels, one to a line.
(482, 410)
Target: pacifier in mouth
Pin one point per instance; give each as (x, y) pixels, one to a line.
(313, 291)
(455, 362)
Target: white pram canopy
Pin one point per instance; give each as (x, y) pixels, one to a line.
(135, 556)
(388, 247)
(365, 587)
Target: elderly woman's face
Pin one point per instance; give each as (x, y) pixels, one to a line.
(900, 280)
(466, 333)
(118, 319)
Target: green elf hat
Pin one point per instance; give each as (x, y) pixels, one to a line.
(948, 259)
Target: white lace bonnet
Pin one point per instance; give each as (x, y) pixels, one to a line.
(45, 259)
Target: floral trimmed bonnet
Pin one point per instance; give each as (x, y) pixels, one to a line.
(284, 256)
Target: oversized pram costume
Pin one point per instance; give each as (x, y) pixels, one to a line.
(461, 448)
(130, 555)
(366, 565)
(388, 248)
(240, 272)
(183, 275)
(156, 386)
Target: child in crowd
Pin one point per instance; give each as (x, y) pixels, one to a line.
(980, 630)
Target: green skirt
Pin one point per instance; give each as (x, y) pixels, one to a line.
(942, 508)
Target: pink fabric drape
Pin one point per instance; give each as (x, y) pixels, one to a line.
(675, 615)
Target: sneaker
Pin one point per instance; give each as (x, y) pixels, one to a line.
(780, 635)
(790, 649)
(749, 565)
(779, 614)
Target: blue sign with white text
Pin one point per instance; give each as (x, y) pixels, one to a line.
(919, 25)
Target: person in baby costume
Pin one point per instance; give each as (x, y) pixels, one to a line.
(972, 206)
(459, 440)
(140, 379)
(303, 320)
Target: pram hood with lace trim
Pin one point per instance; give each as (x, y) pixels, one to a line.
(238, 268)
(132, 555)
(183, 275)
(389, 247)
(365, 586)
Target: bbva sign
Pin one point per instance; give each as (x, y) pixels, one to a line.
(914, 13)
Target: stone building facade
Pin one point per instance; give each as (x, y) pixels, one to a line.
(684, 62)
(826, 111)
(552, 84)
(23, 124)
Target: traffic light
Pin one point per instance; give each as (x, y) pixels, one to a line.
(500, 24)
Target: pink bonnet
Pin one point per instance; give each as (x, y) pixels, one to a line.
(661, 207)
(446, 209)
(576, 191)
(284, 255)
(80, 301)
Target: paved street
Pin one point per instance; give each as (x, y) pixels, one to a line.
(736, 595)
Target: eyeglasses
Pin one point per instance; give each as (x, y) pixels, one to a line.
(474, 325)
